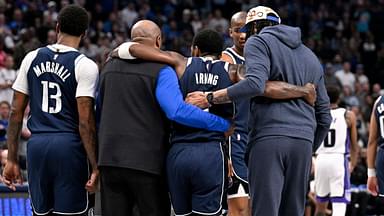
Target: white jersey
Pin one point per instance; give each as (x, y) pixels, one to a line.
(337, 140)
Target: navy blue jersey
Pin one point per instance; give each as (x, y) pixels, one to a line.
(52, 89)
(239, 139)
(236, 58)
(204, 75)
(242, 107)
(379, 114)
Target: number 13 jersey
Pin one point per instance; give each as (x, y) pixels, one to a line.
(53, 77)
(337, 140)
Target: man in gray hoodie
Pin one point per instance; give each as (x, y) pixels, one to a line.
(283, 133)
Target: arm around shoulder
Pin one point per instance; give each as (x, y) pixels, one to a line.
(172, 103)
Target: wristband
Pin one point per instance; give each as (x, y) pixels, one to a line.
(123, 51)
(371, 172)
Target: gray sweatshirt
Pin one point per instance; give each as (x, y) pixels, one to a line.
(277, 53)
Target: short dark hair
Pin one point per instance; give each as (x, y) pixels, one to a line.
(73, 20)
(333, 93)
(209, 42)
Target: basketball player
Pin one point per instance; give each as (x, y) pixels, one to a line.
(238, 192)
(183, 202)
(59, 84)
(332, 169)
(375, 151)
(195, 162)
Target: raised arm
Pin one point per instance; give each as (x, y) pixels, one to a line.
(273, 89)
(131, 50)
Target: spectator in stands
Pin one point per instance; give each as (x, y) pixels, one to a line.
(89, 49)
(7, 76)
(27, 43)
(129, 15)
(51, 37)
(17, 23)
(52, 11)
(3, 54)
(196, 22)
(185, 23)
(330, 78)
(376, 90)
(3, 161)
(337, 62)
(5, 109)
(349, 99)
(218, 22)
(346, 77)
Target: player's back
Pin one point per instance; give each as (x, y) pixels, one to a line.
(52, 84)
(337, 140)
(203, 74)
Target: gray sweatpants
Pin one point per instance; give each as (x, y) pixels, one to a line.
(279, 169)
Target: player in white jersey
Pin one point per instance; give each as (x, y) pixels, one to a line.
(332, 169)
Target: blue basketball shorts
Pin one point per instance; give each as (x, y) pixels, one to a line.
(57, 173)
(196, 174)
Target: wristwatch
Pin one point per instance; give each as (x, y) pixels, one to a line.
(210, 98)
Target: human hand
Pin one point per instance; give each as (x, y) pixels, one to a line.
(12, 175)
(310, 96)
(197, 98)
(372, 186)
(92, 183)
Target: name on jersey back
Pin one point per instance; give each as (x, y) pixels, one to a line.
(52, 67)
(206, 78)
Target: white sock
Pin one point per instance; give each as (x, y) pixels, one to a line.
(339, 209)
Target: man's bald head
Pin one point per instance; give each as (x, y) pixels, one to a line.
(238, 17)
(146, 32)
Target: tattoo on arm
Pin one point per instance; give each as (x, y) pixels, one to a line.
(87, 128)
(221, 97)
(13, 134)
(283, 90)
(236, 72)
(19, 103)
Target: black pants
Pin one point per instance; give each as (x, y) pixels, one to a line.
(123, 190)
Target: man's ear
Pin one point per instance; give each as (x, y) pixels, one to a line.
(196, 51)
(84, 35)
(159, 41)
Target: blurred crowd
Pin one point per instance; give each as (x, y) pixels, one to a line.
(347, 36)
